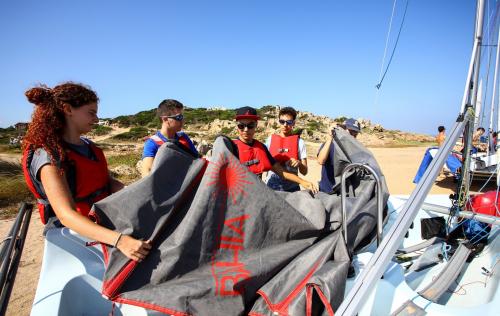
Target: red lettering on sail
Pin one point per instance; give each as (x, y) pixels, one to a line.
(227, 269)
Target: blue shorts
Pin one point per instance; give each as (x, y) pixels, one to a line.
(278, 184)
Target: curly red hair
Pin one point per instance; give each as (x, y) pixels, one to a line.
(48, 120)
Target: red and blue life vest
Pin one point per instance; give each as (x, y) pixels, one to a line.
(253, 156)
(182, 139)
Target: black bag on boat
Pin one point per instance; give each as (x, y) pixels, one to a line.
(433, 227)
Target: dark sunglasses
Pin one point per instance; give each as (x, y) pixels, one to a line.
(178, 117)
(250, 125)
(288, 122)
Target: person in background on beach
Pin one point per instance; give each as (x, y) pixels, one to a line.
(66, 172)
(326, 155)
(325, 159)
(170, 114)
(477, 143)
(289, 150)
(255, 155)
(352, 126)
(441, 136)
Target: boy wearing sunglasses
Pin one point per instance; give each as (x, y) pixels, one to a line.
(289, 150)
(170, 114)
(255, 154)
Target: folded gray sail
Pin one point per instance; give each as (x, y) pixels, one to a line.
(223, 243)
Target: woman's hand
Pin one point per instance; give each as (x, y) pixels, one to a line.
(134, 249)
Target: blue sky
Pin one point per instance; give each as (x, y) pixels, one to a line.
(318, 56)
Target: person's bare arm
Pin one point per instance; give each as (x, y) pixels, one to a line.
(303, 166)
(278, 169)
(300, 164)
(325, 151)
(147, 163)
(58, 193)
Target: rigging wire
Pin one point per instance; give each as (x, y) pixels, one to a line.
(395, 46)
(489, 31)
(387, 39)
(488, 35)
(375, 101)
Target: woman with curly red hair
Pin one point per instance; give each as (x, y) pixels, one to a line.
(66, 172)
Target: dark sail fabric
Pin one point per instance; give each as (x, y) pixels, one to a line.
(225, 244)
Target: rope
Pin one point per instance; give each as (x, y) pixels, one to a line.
(395, 45)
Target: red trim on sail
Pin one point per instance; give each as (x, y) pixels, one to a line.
(325, 300)
(151, 306)
(282, 307)
(110, 287)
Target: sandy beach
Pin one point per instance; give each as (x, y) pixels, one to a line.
(398, 165)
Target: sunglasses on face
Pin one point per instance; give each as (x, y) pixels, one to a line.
(250, 125)
(287, 122)
(178, 117)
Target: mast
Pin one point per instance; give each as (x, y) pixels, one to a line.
(470, 97)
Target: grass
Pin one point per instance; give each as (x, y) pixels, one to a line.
(8, 149)
(13, 189)
(129, 160)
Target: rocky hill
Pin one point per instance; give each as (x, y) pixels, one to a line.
(206, 124)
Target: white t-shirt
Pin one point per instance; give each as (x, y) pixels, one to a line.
(302, 155)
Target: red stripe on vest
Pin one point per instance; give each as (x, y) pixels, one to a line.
(284, 148)
(254, 157)
(183, 140)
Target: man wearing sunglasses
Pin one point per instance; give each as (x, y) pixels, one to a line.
(170, 114)
(255, 155)
(289, 150)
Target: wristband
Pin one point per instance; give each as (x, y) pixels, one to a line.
(117, 240)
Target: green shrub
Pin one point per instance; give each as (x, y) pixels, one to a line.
(7, 133)
(13, 188)
(101, 130)
(135, 133)
(315, 126)
(226, 130)
(202, 115)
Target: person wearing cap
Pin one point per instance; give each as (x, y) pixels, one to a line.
(326, 155)
(255, 154)
(170, 114)
(289, 150)
(352, 126)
